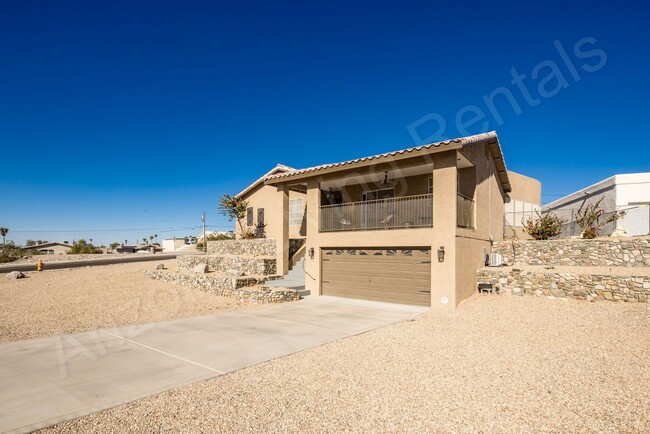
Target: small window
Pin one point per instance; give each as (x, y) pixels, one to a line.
(296, 212)
(260, 216)
(249, 217)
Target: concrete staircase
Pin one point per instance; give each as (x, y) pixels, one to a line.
(294, 279)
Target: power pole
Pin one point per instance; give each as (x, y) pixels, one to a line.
(205, 241)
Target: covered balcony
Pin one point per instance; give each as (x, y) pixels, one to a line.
(390, 213)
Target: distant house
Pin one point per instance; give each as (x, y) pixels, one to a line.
(50, 248)
(126, 249)
(624, 192)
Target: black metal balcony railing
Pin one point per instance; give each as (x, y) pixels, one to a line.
(464, 211)
(399, 212)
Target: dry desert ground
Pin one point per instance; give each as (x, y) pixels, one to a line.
(499, 363)
(79, 299)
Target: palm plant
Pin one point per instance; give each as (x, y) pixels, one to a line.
(4, 232)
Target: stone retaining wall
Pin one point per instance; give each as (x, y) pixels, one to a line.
(256, 247)
(575, 285)
(225, 286)
(613, 252)
(246, 265)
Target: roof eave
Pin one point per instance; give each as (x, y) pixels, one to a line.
(277, 169)
(363, 162)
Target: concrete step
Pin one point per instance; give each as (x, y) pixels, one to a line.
(292, 284)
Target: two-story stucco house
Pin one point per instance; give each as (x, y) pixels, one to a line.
(409, 226)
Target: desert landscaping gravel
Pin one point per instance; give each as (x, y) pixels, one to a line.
(499, 363)
(74, 300)
(61, 258)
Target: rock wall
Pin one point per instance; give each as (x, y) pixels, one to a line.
(249, 266)
(613, 252)
(237, 288)
(256, 247)
(574, 285)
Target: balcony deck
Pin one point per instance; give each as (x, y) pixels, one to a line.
(400, 212)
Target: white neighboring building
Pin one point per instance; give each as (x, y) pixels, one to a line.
(626, 192)
(199, 237)
(172, 244)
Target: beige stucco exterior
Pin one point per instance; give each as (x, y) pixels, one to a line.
(525, 190)
(274, 200)
(474, 170)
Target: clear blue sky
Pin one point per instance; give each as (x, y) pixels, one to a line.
(133, 117)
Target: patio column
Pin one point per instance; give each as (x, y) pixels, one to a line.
(282, 253)
(312, 265)
(443, 274)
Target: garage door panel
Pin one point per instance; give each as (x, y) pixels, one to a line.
(390, 274)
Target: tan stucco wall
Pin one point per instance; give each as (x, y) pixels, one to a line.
(275, 201)
(266, 196)
(407, 186)
(488, 217)
(442, 234)
(452, 280)
(469, 258)
(525, 189)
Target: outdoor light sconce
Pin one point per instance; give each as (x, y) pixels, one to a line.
(311, 253)
(441, 254)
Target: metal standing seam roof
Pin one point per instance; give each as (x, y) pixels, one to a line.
(496, 152)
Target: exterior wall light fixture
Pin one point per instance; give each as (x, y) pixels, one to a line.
(441, 254)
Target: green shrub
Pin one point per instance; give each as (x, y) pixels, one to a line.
(10, 253)
(213, 237)
(544, 227)
(82, 247)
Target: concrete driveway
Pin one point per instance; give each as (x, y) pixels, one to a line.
(50, 380)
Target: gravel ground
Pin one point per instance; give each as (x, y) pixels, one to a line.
(498, 364)
(73, 300)
(58, 258)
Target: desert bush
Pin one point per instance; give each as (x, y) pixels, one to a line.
(82, 247)
(214, 237)
(544, 227)
(590, 221)
(9, 253)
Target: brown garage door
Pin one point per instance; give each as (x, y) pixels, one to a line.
(390, 275)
